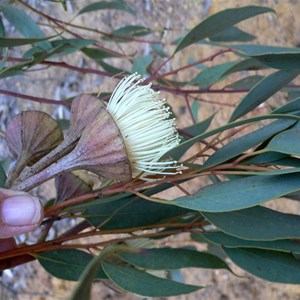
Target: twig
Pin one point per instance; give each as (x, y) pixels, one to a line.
(34, 98)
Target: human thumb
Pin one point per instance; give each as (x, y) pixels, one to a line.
(19, 213)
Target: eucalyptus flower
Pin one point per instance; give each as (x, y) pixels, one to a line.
(123, 140)
(145, 124)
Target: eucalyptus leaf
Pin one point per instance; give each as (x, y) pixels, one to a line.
(83, 288)
(248, 64)
(273, 266)
(172, 259)
(118, 5)
(257, 223)
(197, 128)
(209, 76)
(286, 142)
(222, 239)
(66, 264)
(232, 34)
(141, 63)
(291, 106)
(239, 145)
(240, 193)
(110, 68)
(96, 54)
(25, 25)
(263, 90)
(255, 50)
(272, 56)
(2, 176)
(2, 32)
(143, 283)
(245, 83)
(219, 22)
(130, 212)
(122, 34)
(15, 42)
(266, 158)
(179, 150)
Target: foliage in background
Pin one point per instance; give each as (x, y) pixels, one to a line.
(245, 171)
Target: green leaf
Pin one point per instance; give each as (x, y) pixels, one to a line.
(211, 75)
(288, 161)
(37, 58)
(83, 288)
(179, 150)
(25, 25)
(240, 193)
(239, 145)
(141, 63)
(159, 50)
(62, 46)
(222, 239)
(130, 212)
(71, 45)
(257, 223)
(265, 158)
(129, 31)
(172, 259)
(96, 54)
(2, 176)
(249, 64)
(291, 106)
(270, 265)
(2, 28)
(218, 22)
(245, 83)
(274, 57)
(197, 128)
(15, 42)
(232, 34)
(78, 43)
(286, 142)
(143, 283)
(2, 32)
(66, 264)
(111, 68)
(255, 50)
(281, 61)
(195, 109)
(263, 90)
(118, 5)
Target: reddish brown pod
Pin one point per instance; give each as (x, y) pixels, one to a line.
(31, 135)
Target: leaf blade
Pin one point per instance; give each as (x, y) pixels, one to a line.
(172, 259)
(25, 25)
(218, 22)
(270, 265)
(240, 193)
(257, 223)
(143, 283)
(263, 90)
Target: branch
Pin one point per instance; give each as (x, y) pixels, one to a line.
(209, 58)
(35, 99)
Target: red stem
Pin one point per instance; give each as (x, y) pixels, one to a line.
(35, 99)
